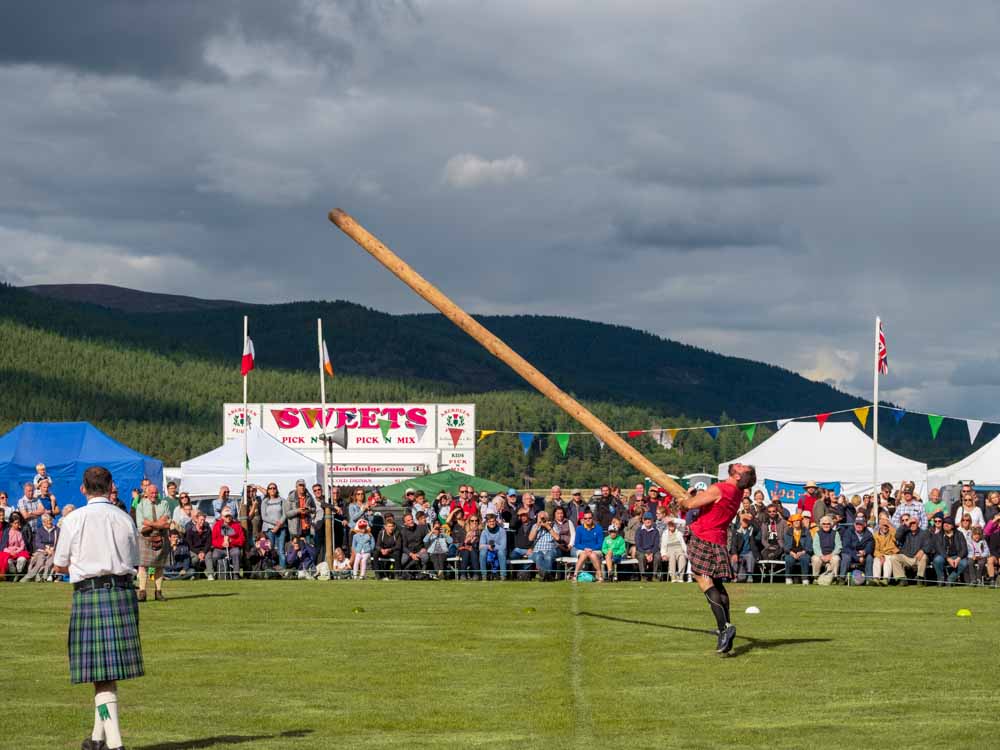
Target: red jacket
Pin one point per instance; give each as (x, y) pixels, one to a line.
(238, 538)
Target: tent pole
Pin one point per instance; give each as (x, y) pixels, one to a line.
(875, 487)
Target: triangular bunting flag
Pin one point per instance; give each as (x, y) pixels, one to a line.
(527, 438)
(713, 431)
(821, 418)
(634, 433)
(898, 414)
(483, 434)
(749, 430)
(974, 426)
(599, 442)
(420, 429)
(665, 439)
(673, 435)
(781, 422)
(385, 425)
(456, 435)
(862, 414)
(563, 439)
(935, 422)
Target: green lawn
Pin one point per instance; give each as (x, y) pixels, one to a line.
(290, 664)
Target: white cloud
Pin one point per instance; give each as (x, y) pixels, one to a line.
(469, 170)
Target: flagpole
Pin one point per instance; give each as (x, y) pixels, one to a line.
(875, 487)
(246, 421)
(327, 513)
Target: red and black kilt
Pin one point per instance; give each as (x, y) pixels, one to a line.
(709, 559)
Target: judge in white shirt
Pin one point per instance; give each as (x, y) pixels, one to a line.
(99, 548)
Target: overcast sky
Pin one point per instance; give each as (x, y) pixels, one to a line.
(758, 178)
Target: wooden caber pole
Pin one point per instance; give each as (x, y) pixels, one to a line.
(499, 349)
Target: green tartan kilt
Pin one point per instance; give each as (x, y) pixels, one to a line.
(104, 636)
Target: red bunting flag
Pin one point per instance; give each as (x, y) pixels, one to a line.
(821, 418)
(634, 433)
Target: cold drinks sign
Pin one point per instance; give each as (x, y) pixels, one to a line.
(396, 436)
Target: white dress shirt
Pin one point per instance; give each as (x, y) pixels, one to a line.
(98, 539)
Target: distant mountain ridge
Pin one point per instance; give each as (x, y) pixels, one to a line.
(127, 300)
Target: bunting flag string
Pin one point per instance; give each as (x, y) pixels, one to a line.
(862, 414)
(974, 425)
(935, 421)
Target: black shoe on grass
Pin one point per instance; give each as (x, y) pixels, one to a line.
(726, 638)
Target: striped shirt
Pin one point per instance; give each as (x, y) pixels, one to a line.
(913, 509)
(544, 542)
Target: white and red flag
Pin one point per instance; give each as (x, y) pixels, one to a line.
(883, 355)
(248, 355)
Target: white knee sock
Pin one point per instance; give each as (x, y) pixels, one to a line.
(107, 710)
(97, 735)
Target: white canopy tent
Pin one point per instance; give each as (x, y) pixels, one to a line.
(982, 467)
(840, 452)
(269, 461)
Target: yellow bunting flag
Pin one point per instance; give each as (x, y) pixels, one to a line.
(862, 414)
(484, 434)
(673, 435)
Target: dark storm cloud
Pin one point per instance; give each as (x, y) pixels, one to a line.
(702, 175)
(696, 233)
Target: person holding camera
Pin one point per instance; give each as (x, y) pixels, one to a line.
(437, 542)
(542, 538)
(228, 538)
(493, 547)
(298, 511)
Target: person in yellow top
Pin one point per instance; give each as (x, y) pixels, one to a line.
(613, 548)
(886, 549)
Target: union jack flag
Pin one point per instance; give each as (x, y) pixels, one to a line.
(883, 356)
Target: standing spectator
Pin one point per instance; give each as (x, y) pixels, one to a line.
(388, 550)
(152, 519)
(228, 538)
(493, 539)
(522, 530)
(554, 500)
(414, 555)
(969, 508)
(858, 548)
(272, 523)
(299, 508)
(934, 503)
(30, 507)
(182, 513)
(470, 506)
(437, 542)
(798, 548)
(172, 499)
(950, 553)
(543, 545)
(992, 535)
(826, 549)
(47, 499)
(114, 499)
(198, 537)
(420, 504)
(41, 473)
(362, 545)
(224, 501)
(5, 510)
(913, 544)
(910, 506)
(992, 505)
(319, 524)
(647, 547)
(884, 564)
(588, 544)
(13, 548)
(45, 540)
(809, 499)
(884, 501)
(744, 547)
(249, 512)
(673, 550)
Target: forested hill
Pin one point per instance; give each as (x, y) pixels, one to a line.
(593, 360)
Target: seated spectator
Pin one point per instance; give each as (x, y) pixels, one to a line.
(647, 547)
(633, 524)
(613, 549)
(826, 549)
(44, 544)
(66, 510)
(493, 548)
(913, 545)
(14, 547)
(182, 515)
(798, 547)
(263, 555)
(362, 545)
(198, 537)
(179, 556)
(885, 550)
(772, 532)
(414, 556)
(969, 508)
(564, 530)
(950, 554)
(673, 551)
(228, 539)
(588, 545)
(858, 548)
(543, 544)
(437, 542)
(388, 550)
(979, 553)
(300, 556)
(341, 565)
(466, 538)
(224, 501)
(30, 508)
(744, 547)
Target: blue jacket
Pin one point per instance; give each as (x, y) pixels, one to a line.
(852, 544)
(805, 541)
(363, 543)
(498, 538)
(589, 539)
(304, 559)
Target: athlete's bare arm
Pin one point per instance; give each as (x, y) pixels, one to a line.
(702, 498)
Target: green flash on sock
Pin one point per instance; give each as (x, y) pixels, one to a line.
(102, 711)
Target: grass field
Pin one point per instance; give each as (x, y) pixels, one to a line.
(291, 665)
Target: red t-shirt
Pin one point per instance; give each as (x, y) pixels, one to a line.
(714, 518)
(807, 502)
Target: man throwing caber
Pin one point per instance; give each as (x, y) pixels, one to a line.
(707, 549)
(99, 548)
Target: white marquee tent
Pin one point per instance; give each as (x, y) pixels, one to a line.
(840, 452)
(269, 461)
(982, 467)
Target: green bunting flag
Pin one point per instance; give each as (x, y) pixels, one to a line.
(563, 439)
(385, 425)
(935, 422)
(749, 430)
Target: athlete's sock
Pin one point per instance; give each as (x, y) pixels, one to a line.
(715, 602)
(107, 709)
(97, 735)
(724, 598)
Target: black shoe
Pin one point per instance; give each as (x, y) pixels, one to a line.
(89, 744)
(726, 640)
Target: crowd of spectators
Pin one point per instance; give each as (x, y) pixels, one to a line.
(893, 537)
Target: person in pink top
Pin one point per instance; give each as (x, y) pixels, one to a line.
(707, 552)
(15, 549)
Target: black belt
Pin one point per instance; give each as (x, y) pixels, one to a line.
(103, 582)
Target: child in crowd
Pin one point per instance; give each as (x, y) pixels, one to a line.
(341, 565)
(978, 554)
(438, 543)
(613, 548)
(362, 545)
(265, 553)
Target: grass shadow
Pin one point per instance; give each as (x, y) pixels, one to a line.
(750, 644)
(225, 740)
(201, 596)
